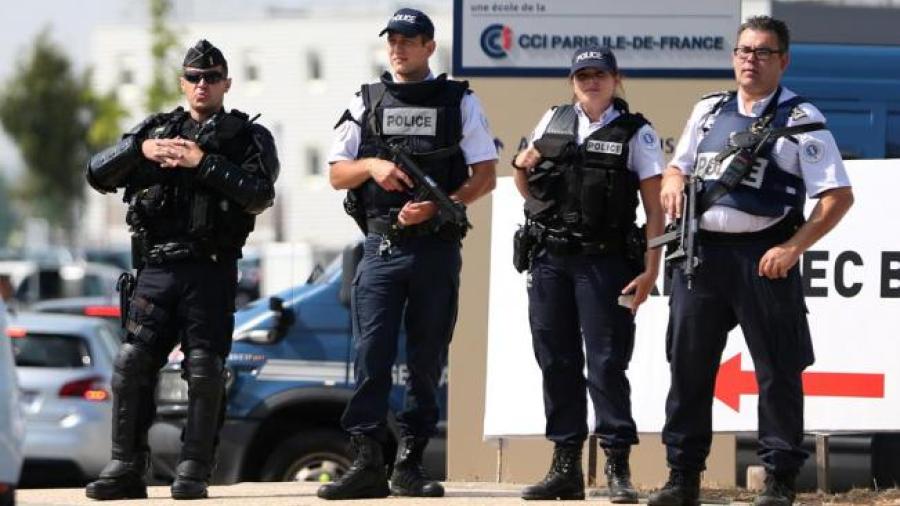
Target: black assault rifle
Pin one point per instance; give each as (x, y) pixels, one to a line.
(425, 188)
(681, 235)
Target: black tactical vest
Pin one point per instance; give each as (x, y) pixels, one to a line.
(586, 190)
(175, 208)
(425, 117)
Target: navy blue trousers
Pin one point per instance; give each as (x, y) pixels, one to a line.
(420, 275)
(573, 311)
(728, 291)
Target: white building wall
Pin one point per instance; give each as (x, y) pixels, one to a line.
(298, 110)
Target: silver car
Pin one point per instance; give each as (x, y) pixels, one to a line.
(11, 427)
(65, 365)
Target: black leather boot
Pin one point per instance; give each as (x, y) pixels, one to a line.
(120, 480)
(133, 383)
(618, 476)
(191, 478)
(204, 372)
(682, 489)
(780, 490)
(409, 478)
(366, 477)
(564, 480)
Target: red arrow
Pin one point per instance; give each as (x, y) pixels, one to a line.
(732, 382)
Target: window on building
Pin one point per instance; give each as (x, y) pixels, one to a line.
(379, 62)
(251, 67)
(126, 70)
(313, 66)
(313, 161)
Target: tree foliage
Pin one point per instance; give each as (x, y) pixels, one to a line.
(55, 120)
(163, 89)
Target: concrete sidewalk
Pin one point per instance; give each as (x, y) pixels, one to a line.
(294, 494)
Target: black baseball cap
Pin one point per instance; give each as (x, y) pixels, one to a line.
(204, 55)
(595, 57)
(409, 22)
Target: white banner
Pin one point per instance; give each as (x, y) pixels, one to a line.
(852, 280)
(538, 37)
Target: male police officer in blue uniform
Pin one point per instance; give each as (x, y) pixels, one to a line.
(194, 181)
(411, 260)
(751, 239)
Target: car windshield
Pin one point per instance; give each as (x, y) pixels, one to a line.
(51, 350)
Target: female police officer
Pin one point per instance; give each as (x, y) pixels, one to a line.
(580, 178)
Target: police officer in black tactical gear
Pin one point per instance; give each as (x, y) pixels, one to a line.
(194, 182)
(588, 270)
(750, 240)
(411, 262)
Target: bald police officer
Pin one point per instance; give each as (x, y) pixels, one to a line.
(194, 181)
(412, 257)
(751, 239)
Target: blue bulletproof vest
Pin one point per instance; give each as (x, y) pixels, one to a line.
(767, 190)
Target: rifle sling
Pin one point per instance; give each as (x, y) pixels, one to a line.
(715, 192)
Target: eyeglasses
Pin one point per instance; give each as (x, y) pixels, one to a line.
(211, 77)
(761, 53)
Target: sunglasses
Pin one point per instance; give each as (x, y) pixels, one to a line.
(211, 77)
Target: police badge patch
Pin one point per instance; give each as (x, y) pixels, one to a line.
(812, 151)
(649, 139)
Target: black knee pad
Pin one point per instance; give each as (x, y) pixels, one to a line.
(134, 366)
(204, 370)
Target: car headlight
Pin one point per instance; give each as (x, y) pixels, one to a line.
(173, 388)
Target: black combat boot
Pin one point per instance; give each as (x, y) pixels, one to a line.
(133, 410)
(618, 476)
(204, 372)
(120, 479)
(564, 480)
(366, 477)
(191, 478)
(682, 489)
(409, 478)
(779, 491)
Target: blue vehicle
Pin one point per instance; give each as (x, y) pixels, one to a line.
(290, 376)
(857, 87)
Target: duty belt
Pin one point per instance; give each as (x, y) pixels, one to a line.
(163, 253)
(560, 242)
(389, 228)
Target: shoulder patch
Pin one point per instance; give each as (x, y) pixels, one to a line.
(649, 139)
(797, 113)
(812, 150)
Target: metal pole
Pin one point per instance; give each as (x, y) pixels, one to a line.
(592, 461)
(822, 464)
(500, 460)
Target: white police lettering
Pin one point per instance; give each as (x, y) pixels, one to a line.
(589, 55)
(609, 148)
(707, 168)
(406, 18)
(409, 121)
